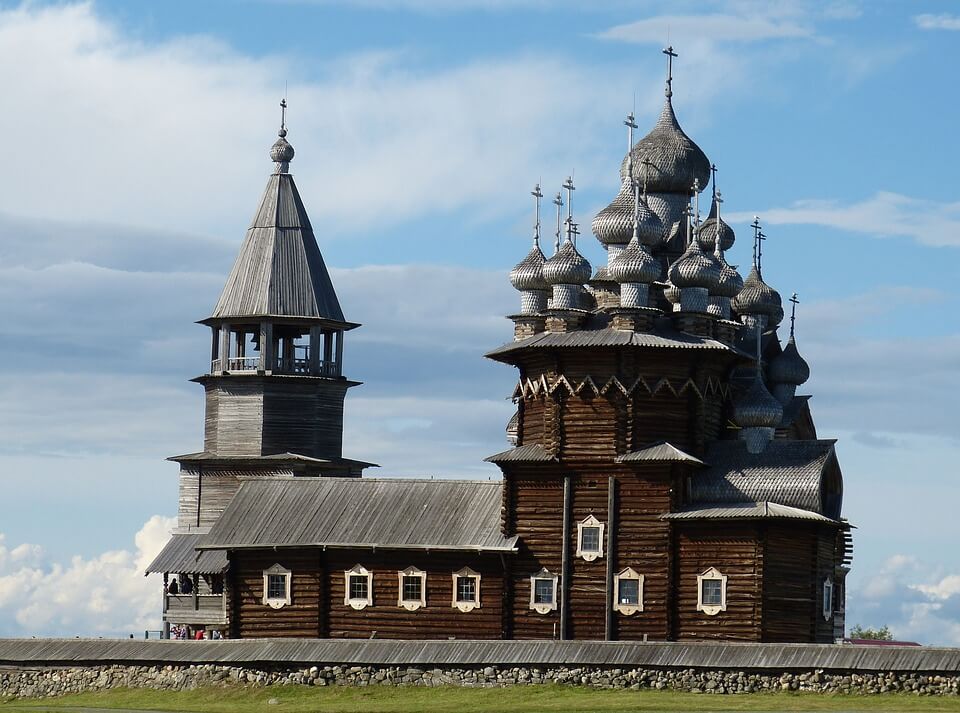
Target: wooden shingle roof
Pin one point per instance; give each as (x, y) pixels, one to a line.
(279, 271)
(180, 556)
(396, 513)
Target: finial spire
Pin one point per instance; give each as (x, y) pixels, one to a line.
(282, 152)
(718, 199)
(696, 201)
(537, 195)
(283, 117)
(569, 188)
(713, 178)
(793, 312)
(558, 201)
(760, 238)
(756, 232)
(631, 124)
(670, 55)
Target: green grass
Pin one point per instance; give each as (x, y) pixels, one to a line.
(303, 699)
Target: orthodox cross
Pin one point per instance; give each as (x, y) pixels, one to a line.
(558, 201)
(793, 312)
(569, 188)
(537, 195)
(756, 231)
(718, 199)
(696, 201)
(283, 114)
(713, 174)
(670, 55)
(760, 238)
(631, 124)
(574, 231)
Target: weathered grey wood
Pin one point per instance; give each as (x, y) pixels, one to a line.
(751, 657)
(565, 561)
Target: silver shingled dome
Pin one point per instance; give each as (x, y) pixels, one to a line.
(675, 160)
(635, 264)
(613, 225)
(730, 282)
(528, 273)
(757, 297)
(695, 268)
(281, 151)
(567, 266)
(708, 231)
(789, 367)
(757, 407)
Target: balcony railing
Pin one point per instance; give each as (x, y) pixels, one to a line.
(297, 365)
(199, 609)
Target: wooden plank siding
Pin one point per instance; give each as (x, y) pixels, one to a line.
(254, 619)
(736, 551)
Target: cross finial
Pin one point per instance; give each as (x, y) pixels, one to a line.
(670, 55)
(760, 238)
(558, 201)
(713, 176)
(283, 117)
(537, 195)
(631, 124)
(793, 312)
(718, 199)
(569, 188)
(574, 231)
(756, 231)
(696, 201)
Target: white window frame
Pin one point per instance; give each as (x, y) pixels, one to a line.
(589, 555)
(827, 598)
(712, 574)
(543, 607)
(628, 574)
(412, 604)
(466, 606)
(358, 603)
(277, 571)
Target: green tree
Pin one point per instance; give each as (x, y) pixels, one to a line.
(881, 634)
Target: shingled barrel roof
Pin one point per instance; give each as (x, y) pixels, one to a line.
(363, 512)
(279, 271)
(790, 473)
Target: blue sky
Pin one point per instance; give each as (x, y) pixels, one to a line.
(137, 140)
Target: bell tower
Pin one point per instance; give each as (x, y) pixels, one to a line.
(275, 387)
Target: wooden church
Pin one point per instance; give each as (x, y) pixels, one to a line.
(664, 481)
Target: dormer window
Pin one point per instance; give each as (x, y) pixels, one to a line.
(358, 587)
(413, 588)
(276, 586)
(628, 592)
(711, 592)
(543, 592)
(590, 539)
(466, 590)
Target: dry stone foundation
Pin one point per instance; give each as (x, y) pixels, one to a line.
(22, 682)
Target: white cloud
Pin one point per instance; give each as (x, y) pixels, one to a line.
(105, 595)
(885, 214)
(943, 21)
(713, 27)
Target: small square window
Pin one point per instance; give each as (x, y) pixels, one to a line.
(712, 594)
(358, 586)
(543, 591)
(276, 586)
(466, 590)
(629, 592)
(412, 587)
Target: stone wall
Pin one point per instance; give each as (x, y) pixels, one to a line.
(36, 682)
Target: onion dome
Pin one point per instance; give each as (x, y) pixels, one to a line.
(566, 266)
(528, 273)
(614, 224)
(708, 231)
(730, 282)
(757, 408)
(634, 264)
(757, 297)
(789, 367)
(695, 268)
(675, 161)
(282, 151)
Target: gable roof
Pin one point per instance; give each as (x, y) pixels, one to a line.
(659, 452)
(362, 512)
(785, 472)
(279, 271)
